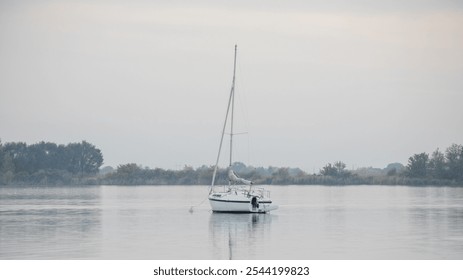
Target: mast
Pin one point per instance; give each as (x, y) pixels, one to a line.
(233, 107)
(231, 101)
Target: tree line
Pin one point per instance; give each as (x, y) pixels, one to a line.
(47, 163)
(439, 165)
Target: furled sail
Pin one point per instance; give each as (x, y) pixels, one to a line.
(237, 180)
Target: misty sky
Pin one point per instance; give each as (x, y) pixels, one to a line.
(364, 82)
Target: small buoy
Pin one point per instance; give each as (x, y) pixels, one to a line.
(191, 209)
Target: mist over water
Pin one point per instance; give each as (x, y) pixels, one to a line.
(154, 222)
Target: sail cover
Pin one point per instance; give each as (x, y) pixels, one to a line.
(237, 180)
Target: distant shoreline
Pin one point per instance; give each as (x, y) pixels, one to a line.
(49, 164)
(320, 181)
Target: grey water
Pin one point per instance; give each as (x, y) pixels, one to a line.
(154, 222)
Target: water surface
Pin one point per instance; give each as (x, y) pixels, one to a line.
(154, 222)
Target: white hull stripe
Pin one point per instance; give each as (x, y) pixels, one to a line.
(238, 201)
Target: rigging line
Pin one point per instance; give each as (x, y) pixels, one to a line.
(249, 144)
(225, 124)
(221, 140)
(243, 108)
(242, 98)
(191, 208)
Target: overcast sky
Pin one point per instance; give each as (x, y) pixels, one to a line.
(317, 81)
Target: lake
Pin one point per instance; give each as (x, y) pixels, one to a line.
(154, 222)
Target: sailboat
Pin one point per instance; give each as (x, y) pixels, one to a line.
(240, 195)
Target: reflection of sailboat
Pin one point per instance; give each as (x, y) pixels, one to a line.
(234, 235)
(240, 196)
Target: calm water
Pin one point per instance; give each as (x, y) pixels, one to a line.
(153, 222)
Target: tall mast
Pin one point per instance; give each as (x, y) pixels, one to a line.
(233, 107)
(231, 100)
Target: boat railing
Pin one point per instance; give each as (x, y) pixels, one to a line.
(257, 191)
(260, 192)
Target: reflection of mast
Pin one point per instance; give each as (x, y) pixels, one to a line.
(235, 236)
(230, 245)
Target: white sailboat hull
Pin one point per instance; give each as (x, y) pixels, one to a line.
(238, 203)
